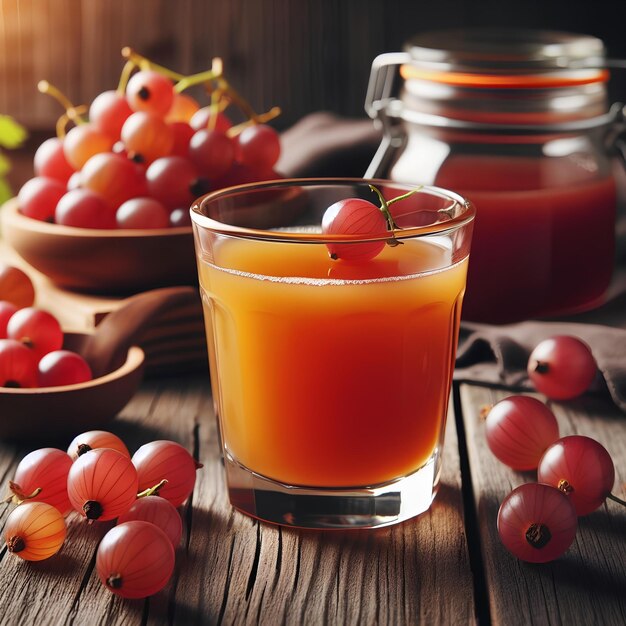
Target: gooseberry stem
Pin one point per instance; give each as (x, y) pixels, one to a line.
(125, 74)
(72, 113)
(218, 103)
(259, 118)
(616, 499)
(17, 494)
(145, 64)
(152, 491)
(384, 207)
(237, 100)
(203, 77)
(385, 204)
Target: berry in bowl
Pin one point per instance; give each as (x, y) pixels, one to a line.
(55, 383)
(108, 208)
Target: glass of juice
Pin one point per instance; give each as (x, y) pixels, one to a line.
(331, 377)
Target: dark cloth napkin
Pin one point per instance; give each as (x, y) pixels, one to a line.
(323, 144)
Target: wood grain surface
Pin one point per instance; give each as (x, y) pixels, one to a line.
(231, 569)
(445, 567)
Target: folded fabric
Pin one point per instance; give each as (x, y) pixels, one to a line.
(499, 354)
(323, 144)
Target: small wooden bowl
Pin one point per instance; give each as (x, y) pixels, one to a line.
(51, 413)
(102, 261)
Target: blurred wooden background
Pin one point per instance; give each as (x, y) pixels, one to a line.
(303, 55)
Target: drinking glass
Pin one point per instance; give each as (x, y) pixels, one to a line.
(331, 377)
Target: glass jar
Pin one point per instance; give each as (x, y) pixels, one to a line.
(519, 122)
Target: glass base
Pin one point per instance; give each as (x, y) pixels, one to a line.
(327, 507)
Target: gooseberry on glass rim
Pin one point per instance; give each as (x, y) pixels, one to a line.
(562, 367)
(537, 523)
(518, 431)
(355, 216)
(581, 468)
(135, 559)
(34, 531)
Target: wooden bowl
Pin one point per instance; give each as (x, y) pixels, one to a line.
(51, 413)
(102, 261)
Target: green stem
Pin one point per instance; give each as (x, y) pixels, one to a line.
(403, 196)
(70, 110)
(140, 61)
(195, 79)
(127, 70)
(152, 491)
(259, 118)
(384, 207)
(616, 499)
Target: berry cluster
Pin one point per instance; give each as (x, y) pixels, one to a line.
(31, 340)
(98, 478)
(144, 152)
(537, 522)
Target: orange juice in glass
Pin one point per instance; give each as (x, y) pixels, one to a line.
(331, 377)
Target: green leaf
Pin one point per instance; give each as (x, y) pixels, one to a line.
(5, 191)
(5, 165)
(12, 134)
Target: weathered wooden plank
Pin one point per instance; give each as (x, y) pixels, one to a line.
(587, 585)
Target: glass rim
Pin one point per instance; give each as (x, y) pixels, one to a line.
(222, 228)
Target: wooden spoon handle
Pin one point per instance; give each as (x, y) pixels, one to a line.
(107, 348)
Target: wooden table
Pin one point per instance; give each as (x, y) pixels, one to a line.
(446, 566)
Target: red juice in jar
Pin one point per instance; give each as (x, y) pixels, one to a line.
(543, 239)
(517, 121)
